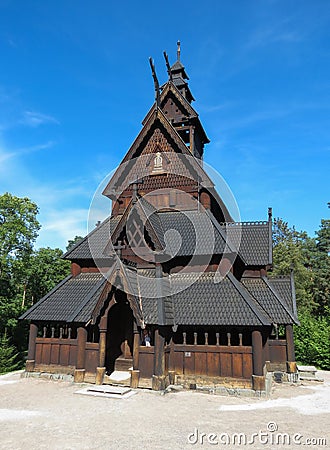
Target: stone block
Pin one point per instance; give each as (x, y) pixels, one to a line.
(79, 375)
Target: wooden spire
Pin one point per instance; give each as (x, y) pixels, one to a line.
(178, 52)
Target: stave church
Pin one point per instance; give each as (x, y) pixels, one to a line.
(169, 288)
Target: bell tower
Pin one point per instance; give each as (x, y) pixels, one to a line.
(175, 102)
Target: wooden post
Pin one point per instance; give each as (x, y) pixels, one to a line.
(135, 373)
(291, 364)
(257, 352)
(136, 346)
(100, 370)
(103, 340)
(29, 367)
(257, 378)
(79, 373)
(171, 371)
(158, 379)
(267, 354)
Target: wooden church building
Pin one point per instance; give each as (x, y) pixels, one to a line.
(168, 287)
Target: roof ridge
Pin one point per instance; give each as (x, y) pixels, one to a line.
(274, 291)
(229, 243)
(67, 253)
(245, 223)
(262, 315)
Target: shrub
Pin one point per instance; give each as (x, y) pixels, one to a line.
(312, 340)
(8, 355)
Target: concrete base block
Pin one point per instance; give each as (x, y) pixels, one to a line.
(171, 376)
(291, 367)
(79, 375)
(29, 365)
(135, 376)
(258, 383)
(158, 383)
(99, 377)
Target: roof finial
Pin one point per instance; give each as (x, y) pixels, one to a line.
(178, 52)
(168, 66)
(156, 83)
(270, 214)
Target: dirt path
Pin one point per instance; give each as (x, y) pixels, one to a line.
(40, 414)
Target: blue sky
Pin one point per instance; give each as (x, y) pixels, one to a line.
(75, 84)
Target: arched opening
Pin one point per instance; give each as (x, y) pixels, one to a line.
(119, 332)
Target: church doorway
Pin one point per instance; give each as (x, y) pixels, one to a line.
(119, 348)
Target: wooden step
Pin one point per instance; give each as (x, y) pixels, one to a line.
(123, 364)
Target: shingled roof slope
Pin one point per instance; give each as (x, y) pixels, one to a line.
(206, 302)
(188, 226)
(154, 292)
(268, 300)
(285, 288)
(254, 239)
(96, 241)
(66, 298)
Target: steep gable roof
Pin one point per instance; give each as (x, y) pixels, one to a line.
(168, 88)
(126, 168)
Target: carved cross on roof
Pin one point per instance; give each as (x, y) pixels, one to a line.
(118, 249)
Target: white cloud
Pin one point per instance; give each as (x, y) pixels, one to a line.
(60, 225)
(63, 205)
(35, 119)
(280, 32)
(8, 154)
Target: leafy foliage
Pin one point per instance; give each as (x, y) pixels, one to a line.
(312, 340)
(46, 269)
(73, 242)
(18, 231)
(310, 260)
(8, 355)
(26, 274)
(292, 252)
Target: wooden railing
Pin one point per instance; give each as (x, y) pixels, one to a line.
(56, 351)
(210, 360)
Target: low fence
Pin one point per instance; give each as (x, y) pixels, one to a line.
(201, 359)
(56, 351)
(58, 346)
(210, 360)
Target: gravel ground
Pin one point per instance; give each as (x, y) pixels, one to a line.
(42, 414)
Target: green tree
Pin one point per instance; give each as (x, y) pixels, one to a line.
(294, 250)
(18, 231)
(73, 242)
(312, 340)
(321, 268)
(46, 269)
(309, 257)
(8, 356)
(18, 226)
